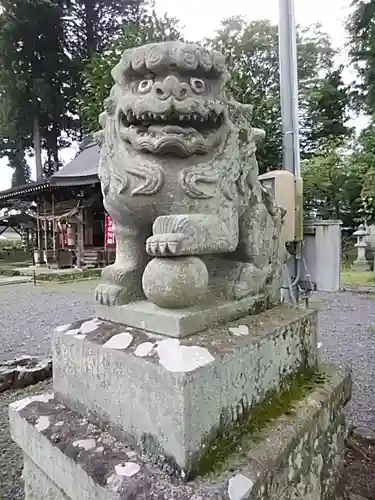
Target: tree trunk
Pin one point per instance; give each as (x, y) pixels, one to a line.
(55, 148)
(90, 21)
(37, 149)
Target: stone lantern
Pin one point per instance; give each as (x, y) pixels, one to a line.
(361, 264)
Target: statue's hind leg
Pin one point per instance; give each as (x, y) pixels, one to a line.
(260, 249)
(121, 282)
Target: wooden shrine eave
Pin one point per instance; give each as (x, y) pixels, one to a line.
(48, 185)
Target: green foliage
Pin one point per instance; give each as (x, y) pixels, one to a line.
(43, 45)
(361, 28)
(9, 272)
(10, 245)
(323, 182)
(361, 174)
(332, 183)
(97, 79)
(33, 76)
(253, 54)
(328, 102)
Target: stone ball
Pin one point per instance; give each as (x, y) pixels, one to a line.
(174, 283)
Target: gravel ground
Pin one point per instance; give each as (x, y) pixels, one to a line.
(347, 325)
(28, 316)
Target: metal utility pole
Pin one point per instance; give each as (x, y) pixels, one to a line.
(289, 114)
(289, 86)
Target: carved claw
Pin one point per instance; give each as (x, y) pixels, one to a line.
(107, 294)
(164, 244)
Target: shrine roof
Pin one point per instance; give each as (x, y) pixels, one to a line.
(82, 170)
(83, 166)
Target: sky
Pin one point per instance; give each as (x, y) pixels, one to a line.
(201, 18)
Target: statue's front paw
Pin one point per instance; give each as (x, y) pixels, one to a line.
(162, 245)
(107, 294)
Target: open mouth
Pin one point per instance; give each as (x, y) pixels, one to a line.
(173, 123)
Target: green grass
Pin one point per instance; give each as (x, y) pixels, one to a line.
(86, 274)
(352, 278)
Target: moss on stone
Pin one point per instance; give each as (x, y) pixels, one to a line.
(231, 437)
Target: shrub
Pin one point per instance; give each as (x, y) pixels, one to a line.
(9, 272)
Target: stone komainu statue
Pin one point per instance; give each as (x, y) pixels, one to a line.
(180, 178)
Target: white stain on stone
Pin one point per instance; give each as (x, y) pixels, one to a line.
(179, 358)
(86, 444)
(59, 424)
(127, 469)
(80, 336)
(240, 331)
(319, 345)
(90, 326)
(42, 423)
(42, 398)
(131, 454)
(145, 349)
(99, 449)
(62, 328)
(75, 331)
(239, 487)
(119, 341)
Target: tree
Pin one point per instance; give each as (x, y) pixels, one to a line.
(327, 103)
(97, 79)
(362, 164)
(34, 69)
(253, 56)
(361, 29)
(22, 173)
(324, 182)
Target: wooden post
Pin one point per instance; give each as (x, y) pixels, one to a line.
(80, 238)
(39, 233)
(45, 230)
(53, 228)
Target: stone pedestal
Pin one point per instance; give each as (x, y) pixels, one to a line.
(239, 409)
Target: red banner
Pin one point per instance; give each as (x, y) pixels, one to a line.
(109, 236)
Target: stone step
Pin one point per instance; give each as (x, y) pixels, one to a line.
(171, 395)
(298, 455)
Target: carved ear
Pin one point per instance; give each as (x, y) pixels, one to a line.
(259, 135)
(103, 119)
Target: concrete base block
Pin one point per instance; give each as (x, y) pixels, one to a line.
(179, 323)
(38, 486)
(172, 396)
(300, 454)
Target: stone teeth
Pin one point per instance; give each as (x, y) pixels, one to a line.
(163, 247)
(181, 118)
(163, 117)
(172, 246)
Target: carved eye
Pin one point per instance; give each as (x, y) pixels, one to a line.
(197, 85)
(145, 86)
